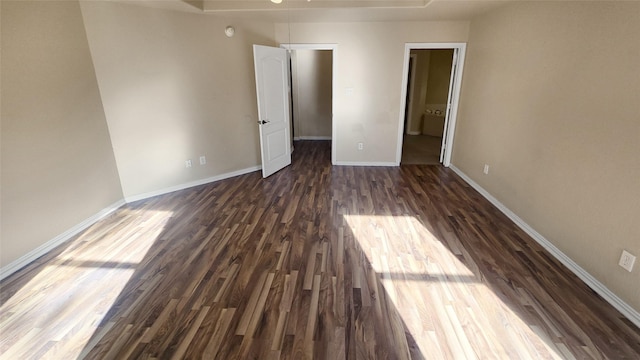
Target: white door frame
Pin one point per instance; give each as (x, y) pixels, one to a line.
(450, 130)
(334, 51)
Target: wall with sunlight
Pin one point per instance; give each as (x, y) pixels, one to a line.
(550, 101)
(368, 77)
(174, 87)
(58, 168)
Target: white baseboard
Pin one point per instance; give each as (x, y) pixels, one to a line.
(632, 314)
(311, 138)
(51, 244)
(170, 189)
(358, 163)
(414, 132)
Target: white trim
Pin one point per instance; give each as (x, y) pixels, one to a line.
(312, 138)
(334, 63)
(456, 94)
(613, 299)
(170, 189)
(51, 244)
(414, 133)
(357, 163)
(294, 46)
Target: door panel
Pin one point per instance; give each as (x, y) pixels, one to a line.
(447, 116)
(272, 86)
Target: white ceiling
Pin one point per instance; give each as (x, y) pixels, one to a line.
(331, 10)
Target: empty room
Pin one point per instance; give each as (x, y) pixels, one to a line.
(246, 179)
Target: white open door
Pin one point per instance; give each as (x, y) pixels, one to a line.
(447, 116)
(272, 86)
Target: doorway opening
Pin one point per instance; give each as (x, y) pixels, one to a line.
(430, 91)
(312, 90)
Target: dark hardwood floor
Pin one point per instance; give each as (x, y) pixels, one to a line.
(314, 262)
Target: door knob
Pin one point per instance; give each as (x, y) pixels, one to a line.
(262, 122)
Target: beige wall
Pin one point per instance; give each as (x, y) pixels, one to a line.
(58, 168)
(174, 87)
(311, 76)
(550, 101)
(369, 61)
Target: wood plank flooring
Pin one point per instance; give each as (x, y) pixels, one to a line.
(314, 262)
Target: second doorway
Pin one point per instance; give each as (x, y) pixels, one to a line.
(426, 104)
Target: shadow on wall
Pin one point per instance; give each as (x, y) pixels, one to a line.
(198, 4)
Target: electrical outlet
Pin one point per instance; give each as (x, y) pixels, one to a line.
(188, 163)
(360, 146)
(203, 160)
(486, 169)
(627, 260)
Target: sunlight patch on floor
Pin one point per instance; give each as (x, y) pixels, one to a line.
(82, 283)
(440, 295)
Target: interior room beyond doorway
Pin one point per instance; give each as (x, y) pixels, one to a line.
(427, 96)
(311, 82)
